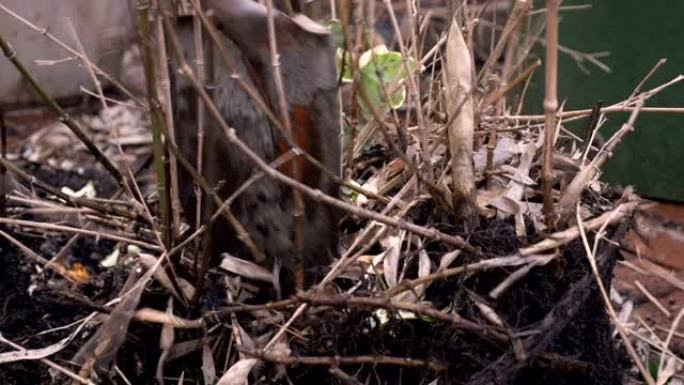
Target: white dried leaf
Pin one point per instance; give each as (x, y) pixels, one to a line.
(531, 208)
(486, 197)
(87, 191)
(156, 316)
(111, 259)
(390, 263)
(281, 348)
(390, 266)
(517, 178)
(33, 354)
(378, 181)
(672, 367)
(404, 314)
(615, 297)
(424, 268)
(238, 373)
(372, 264)
(625, 314)
(489, 313)
(448, 258)
(424, 264)
(504, 151)
(381, 315)
(309, 25)
(506, 204)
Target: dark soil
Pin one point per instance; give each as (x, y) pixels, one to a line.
(34, 302)
(578, 348)
(581, 351)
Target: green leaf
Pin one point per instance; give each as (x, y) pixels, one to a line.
(347, 75)
(335, 27)
(383, 74)
(653, 368)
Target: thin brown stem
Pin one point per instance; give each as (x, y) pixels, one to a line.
(298, 202)
(550, 107)
(186, 70)
(164, 84)
(157, 120)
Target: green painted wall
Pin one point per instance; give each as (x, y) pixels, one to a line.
(637, 34)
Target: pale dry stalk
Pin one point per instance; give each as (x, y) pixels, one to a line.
(460, 131)
(413, 83)
(509, 40)
(572, 193)
(606, 298)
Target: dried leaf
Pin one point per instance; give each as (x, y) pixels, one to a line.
(424, 268)
(309, 25)
(245, 268)
(448, 258)
(489, 313)
(672, 367)
(101, 348)
(208, 365)
(625, 314)
(390, 263)
(111, 259)
(522, 172)
(87, 191)
(36, 354)
(165, 342)
(518, 274)
(160, 275)
(167, 336)
(184, 348)
(165, 318)
(281, 348)
(238, 373)
(379, 182)
(504, 151)
(242, 338)
(372, 264)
